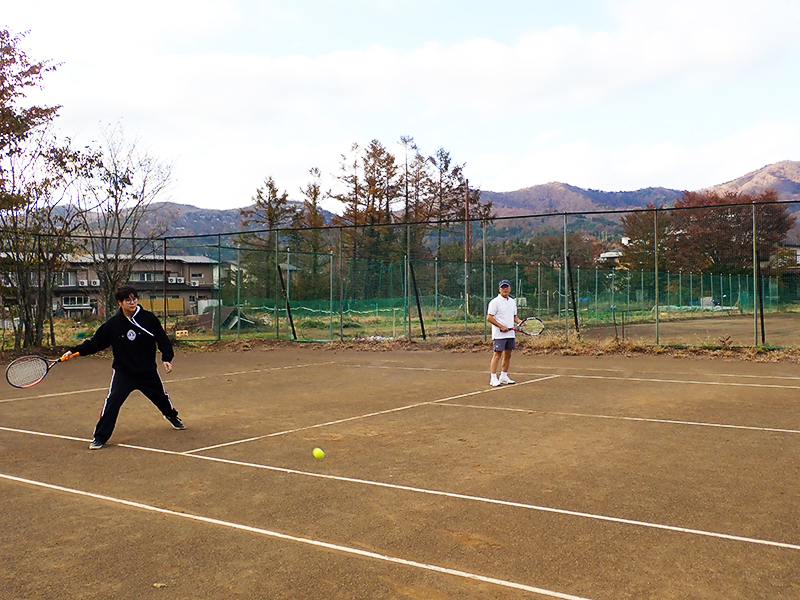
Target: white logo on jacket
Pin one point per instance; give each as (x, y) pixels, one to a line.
(131, 334)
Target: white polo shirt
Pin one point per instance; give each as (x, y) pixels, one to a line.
(503, 310)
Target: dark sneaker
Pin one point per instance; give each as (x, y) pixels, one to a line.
(95, 445)
(175, 422)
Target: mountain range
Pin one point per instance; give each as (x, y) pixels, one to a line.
(546, 198)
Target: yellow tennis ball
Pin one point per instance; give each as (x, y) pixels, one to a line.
(318, 453)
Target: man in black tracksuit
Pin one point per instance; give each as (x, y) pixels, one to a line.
(133, 334)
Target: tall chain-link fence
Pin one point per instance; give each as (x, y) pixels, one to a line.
(710, 276)
(724, 275)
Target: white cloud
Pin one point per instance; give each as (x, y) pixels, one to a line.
(674, 46)
(547, 105)
(670, 164)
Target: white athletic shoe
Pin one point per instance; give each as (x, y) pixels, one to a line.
(494, 382)
(506, 379)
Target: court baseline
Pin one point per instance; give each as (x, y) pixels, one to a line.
(301, 540)
(166, 381)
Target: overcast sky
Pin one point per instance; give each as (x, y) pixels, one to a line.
(603, 94)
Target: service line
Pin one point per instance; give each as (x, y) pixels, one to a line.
(621, 418)
(365, 416)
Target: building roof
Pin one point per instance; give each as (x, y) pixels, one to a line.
(195, 260)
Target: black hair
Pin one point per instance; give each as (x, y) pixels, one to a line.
(124, 292)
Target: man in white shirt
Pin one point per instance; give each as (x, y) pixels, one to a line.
(502, 314)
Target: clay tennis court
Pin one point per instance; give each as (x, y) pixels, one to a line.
(599, 478)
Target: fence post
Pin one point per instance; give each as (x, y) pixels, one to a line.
(277, 287)
(485, 308)
(613, 290)
(466, 253)
(218, 308)
(755, 282)
(341, 284)
(655, 264)
(238, 292)
(628, 298)
(288, 287)
(539, 291)
(436, 291)
(566, 285)
(596, 299)
(406, 292)
(166, 312)
(643, 304)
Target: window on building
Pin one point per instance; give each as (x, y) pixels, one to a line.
(66, 278)
(147, 276)
(74, 301)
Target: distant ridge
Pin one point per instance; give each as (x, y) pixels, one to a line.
(557, 197)
(546, 198)
(560, 197)
(783, 177)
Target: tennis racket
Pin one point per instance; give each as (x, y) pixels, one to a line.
(27, 371)
(530, 326)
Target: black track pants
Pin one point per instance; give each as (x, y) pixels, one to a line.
(122, 384)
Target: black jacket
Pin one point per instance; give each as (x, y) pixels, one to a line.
(133, 342)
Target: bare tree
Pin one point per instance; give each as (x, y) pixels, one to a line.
(118, 223)
(36, 175)
(37, 229)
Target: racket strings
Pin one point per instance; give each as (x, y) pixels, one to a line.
(26, 371)
(530, 326)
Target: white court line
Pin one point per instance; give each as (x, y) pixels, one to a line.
(483, 499)
(604, 377)
(495, 501)
(40, 396)
(199, 377)
(52, 435)
(301, 540)
(402, 368)
(738, 375)
(758, 376)
(565, 368)
(619, 378)
(364, 416)
(687, 381)
(621, 418)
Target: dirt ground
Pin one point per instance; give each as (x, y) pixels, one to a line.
(610, 477)
(780, 330)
